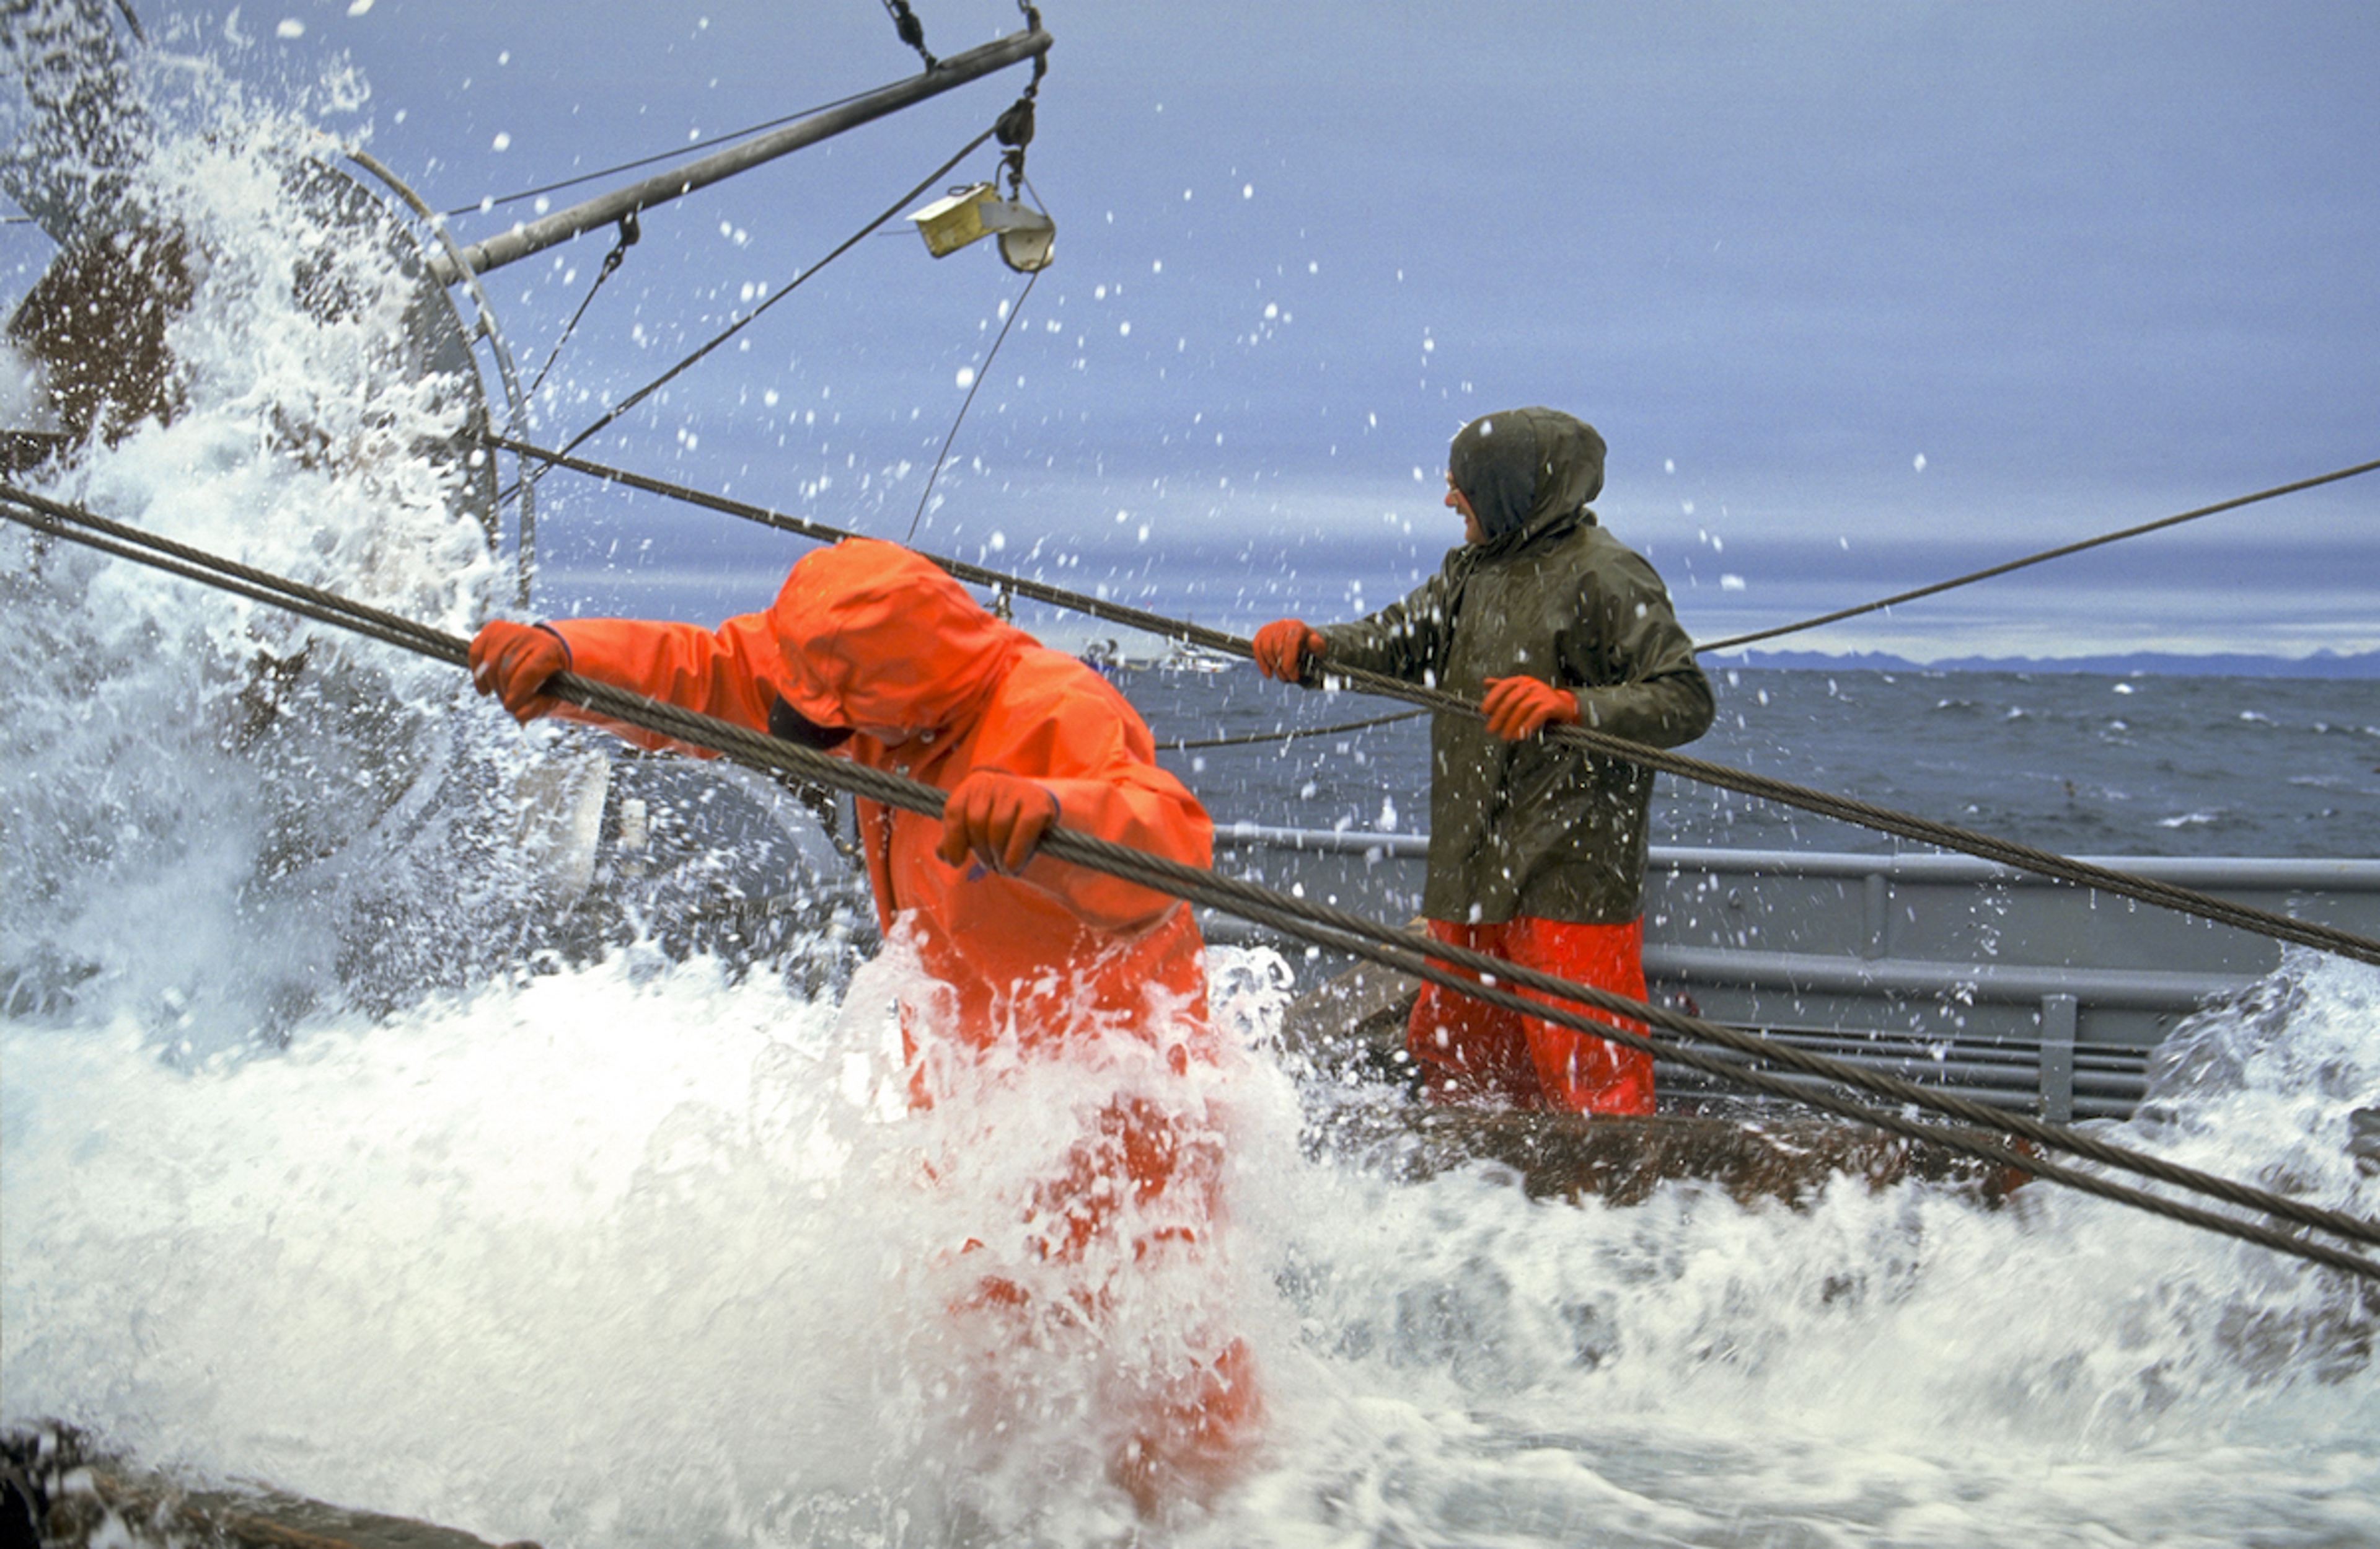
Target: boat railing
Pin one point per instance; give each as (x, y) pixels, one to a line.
(1958, 972)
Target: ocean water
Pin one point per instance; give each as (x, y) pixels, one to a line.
(324, 1165)
(2081, 763)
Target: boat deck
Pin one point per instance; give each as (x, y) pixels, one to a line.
(2006, 987)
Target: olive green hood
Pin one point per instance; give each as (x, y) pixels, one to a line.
(1519, 467)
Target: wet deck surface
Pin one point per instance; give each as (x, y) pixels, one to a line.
(1621, 1161)
(1751, 1150)
(60, 1492)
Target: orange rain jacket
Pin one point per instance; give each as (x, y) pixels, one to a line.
(871, 635)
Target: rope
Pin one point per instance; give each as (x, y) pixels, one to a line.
(641, 394)
(1334, 929)
(2026, 858)
(977, 575)
(1734, 640)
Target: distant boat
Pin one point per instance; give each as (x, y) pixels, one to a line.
(1186, 657)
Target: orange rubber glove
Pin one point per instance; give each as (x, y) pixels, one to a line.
(513, 661)
(1519, 707)
(1284, 646)
(999, 818)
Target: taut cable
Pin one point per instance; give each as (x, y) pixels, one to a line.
(1336, 929)
(1865, 814)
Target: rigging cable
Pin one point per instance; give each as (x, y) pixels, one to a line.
(959, 418)
(1846, 809)
(1732, 641)
(1007, 130)
(796, 284)
(1015, 127)
(1288, 734)
(499, 201)
(629, 232)
(1334, 929)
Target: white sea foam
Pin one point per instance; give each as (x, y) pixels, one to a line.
(198, 780)
(626, 1255)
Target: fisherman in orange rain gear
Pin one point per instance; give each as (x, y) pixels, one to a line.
(875, 653)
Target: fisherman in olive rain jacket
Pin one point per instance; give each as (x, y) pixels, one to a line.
(1536, 847)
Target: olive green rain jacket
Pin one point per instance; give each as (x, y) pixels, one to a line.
(1536, 827)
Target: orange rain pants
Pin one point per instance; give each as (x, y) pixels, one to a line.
(1472, 1052)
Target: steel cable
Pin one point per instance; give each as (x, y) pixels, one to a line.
(800, 279)
(1865, 814)
(1336, 929)
(629, 232)
(1288, 734)
(981, 375)
(2059, 553)
(674, 153)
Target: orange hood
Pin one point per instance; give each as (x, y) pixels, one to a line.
(876, 635)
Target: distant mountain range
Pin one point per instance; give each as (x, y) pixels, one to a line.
(2321, 664)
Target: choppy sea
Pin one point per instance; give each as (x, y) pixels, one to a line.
(2081, 763)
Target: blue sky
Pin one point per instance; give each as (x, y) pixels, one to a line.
(1860, 294)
